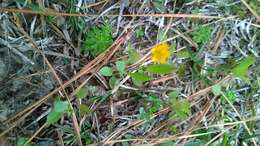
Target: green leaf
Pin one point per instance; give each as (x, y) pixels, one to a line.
(142, 114)
(22, 140)
(181, 114)
(140, 76)
(106, 71)
(161, 35)
(53, 117)
(183, 54)
(154, 99)
(173, 47)
(173, 128)
(113, 81)
(195, 143)
(216, 89)
(225, 140)
(137, 83)
(120, 66)
(231, 96)
(241, 69)
(139, 32)
(173, 94)
(160, 68)
(84, 109)
(83, 92)
(168, 143)
(134, 56)
(61, 106)
(159, 5)
(185, 104)
(181, 107)
(125, 143)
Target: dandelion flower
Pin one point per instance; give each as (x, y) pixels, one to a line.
(160, 53)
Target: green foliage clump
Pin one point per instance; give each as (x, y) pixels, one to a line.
(145, 113)
(255, 5)
(60, 108)
(230, 95)
(97, 40)
(180, 106)
(202, 34)
(120, 70)
(239, 10)
(76, 23)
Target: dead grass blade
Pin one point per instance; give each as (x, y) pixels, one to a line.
(51, 12)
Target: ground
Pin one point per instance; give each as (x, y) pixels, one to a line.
(152, 72)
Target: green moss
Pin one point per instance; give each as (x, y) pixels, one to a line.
(202, 34)
(97, 40)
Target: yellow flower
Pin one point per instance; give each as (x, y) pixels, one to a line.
(160, 53)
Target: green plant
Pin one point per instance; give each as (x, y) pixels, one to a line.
(140, 76)
(133, 55)
(168, 143)
(71, 139)
(241, 69)
(239, 10)
(255, 5)
(113, 81)
(106, 71)
(30, 5)
(159, 5)
(201, 34)
(162, 35)
(82, 93)
(77, 23)
(225, 141)
(179, 107)
(155, 104)
(97, 40)
(120, 66)
(60, 108)
(216, 89)
(139, 32)
(160, 68)
(229, 94)
(183, 54)
(22, 140)
(114, 75)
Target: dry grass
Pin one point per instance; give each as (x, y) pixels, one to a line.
(41, 59)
